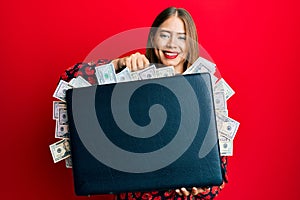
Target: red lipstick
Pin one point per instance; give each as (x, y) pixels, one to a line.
(170, 55)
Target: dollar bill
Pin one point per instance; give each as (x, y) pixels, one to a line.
(79, 82)
(72, 82)
(68, 162)
(226, 147)
(222, 85)
(60, 150)
(165, 71)
(134, 76)
(223, 112)
(201, 65)
(124, 75)
(227, 126)
(56, 106)
(60, 91)
(62, 116)
(61, 130)
(106, 74)
(147, 73)
(220, 100)
(214, 79)
(62, 126)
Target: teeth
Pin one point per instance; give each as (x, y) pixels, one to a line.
(170, 54)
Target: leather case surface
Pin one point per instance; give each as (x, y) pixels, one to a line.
(144, 135)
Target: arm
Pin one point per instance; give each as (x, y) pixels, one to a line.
(86, 70)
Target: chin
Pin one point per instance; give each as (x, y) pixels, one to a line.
(170, 63)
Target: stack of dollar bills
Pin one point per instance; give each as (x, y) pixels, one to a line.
(227, 127)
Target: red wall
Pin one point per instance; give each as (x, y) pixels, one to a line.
(254, 43)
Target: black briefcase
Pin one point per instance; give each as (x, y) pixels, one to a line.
(144, 135)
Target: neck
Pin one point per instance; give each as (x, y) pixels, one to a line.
(178, 69)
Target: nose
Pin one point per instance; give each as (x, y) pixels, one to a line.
(171, 42)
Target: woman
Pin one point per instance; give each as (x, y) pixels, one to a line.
(172, 41)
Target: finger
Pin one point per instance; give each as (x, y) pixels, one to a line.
(185, 192)
(121, 63)
(178, 192)
(141, 60)
(146, 61)
(127, 62)
(134, 62)
(194, 191)
(140, 63)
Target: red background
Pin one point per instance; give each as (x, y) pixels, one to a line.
(254, 43)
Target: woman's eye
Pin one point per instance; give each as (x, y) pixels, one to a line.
(164, 36)
(182, 38)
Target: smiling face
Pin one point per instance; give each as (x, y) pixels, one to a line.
(170, 43)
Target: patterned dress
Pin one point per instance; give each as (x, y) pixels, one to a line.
(87, 71)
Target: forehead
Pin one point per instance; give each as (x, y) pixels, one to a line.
(174, 24)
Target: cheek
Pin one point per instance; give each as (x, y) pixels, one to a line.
(159, 43)
(183, 46)
(184, 50)
(156, 51)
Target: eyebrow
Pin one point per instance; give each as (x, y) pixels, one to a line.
(163, 30)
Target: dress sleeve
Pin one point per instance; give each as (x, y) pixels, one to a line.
(86, 70)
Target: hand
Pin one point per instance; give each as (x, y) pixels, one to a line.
(183, 191)
(134, 62)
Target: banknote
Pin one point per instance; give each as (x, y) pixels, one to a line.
(62, 116)
(106, 74)
(56, 106)
(79, 82)
(61, 130)
(60, 150)
(214, 79)
(201, 65)
(222, 85)
(72, 82)
(124, 75)
(223, 112)
(147, 73)
(62, 126)
(227, 126)
(220, 100)
(226, 148)
(134, 76)
(165, 71)
(68, 162)
(60, 91)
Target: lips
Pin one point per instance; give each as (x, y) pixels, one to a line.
(170, 55)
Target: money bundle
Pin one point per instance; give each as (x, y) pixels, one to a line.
(105, 74)
(227, 127)
(61, 150)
